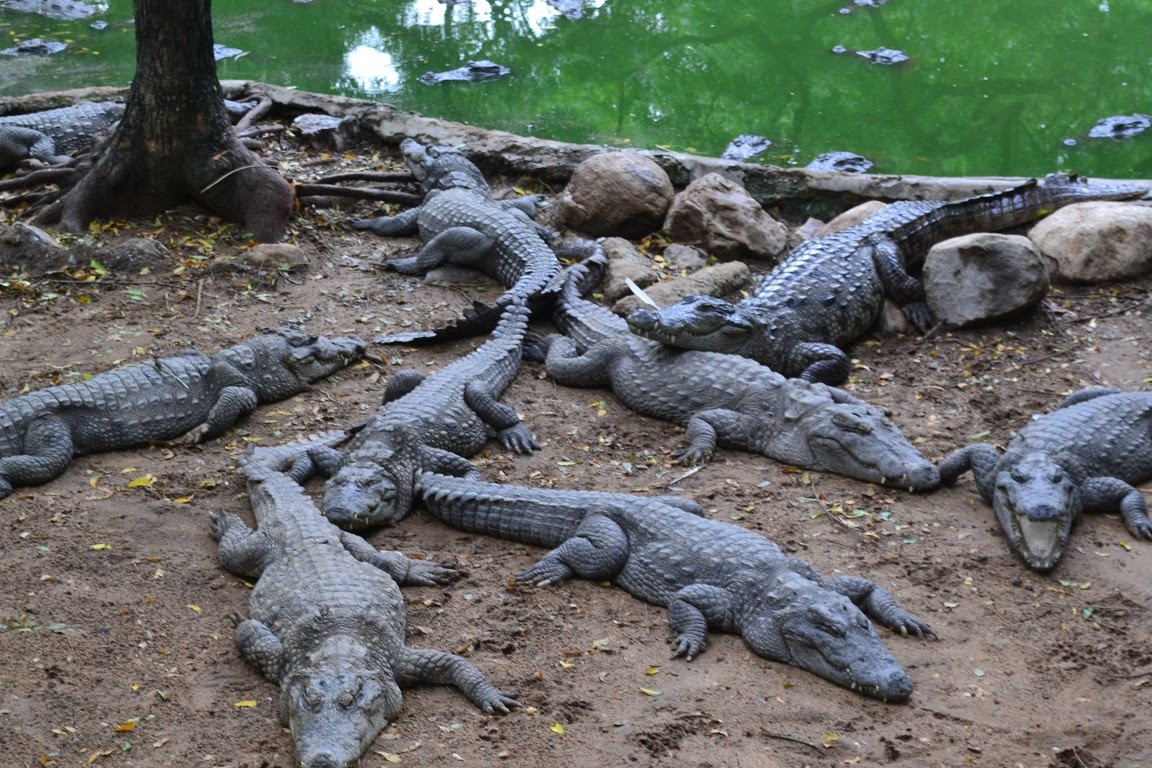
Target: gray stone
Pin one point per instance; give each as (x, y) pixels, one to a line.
(615, 193)
(719, 216)
(625, 262)
(30, 250)
(983, 277)
(276, 256)
(716, 280)
(852, 217)
(1096, 242)
(688, 258)
(325, 132)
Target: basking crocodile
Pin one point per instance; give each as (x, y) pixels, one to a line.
(1084, 456)
(189, 398)
(460, 223)
(327, 623)
(709, 574)
(424, 423)
(829, 290)
(54, 135)
(726, 399)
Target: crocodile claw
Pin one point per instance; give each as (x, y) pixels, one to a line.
(518, 439)
(426, 574)
(502, 705)
(688, 648)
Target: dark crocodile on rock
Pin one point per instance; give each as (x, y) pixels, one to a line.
(829, 291)
(432, 422)
(462, 224)
(708, 574)
(54, 135)
(186, 399)
(327, 623)
(725, 399)
(1086, 456)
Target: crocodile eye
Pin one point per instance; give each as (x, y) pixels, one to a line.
(850, 423)
(1056, 477)
(831, 629)
(1019, 476)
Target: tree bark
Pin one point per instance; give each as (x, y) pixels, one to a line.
(175, 144)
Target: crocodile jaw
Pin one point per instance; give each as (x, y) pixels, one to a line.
(1037, 505)
(697, 322)
(858, 441)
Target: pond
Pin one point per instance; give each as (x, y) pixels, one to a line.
(987, 88)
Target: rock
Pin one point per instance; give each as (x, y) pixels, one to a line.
(893, 321)
(1096, 242)
(30, 250)
(35, 47)
(684, 257)
(276, 256)
(983, 277)
(852, 217)
(326, 132)
(615, 193)
(624, 261)
(719, 216)
(64, 10)
(716, 280)
(806, 231)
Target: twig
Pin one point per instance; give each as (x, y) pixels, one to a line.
(262, 108)
(257, 130)
(793, 739)
(234, 170)
(366, 176)
(199, 296)
(358, 193)
(36, 178)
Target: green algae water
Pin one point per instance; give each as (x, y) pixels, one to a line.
(988, 88)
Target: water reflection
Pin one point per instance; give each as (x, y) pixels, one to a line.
(369, 67)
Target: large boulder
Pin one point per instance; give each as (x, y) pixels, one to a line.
(719, 216)
(716, 280)
(983, 277)
(615, 193)
(1096, 242)
(30, 250)
(852, 217)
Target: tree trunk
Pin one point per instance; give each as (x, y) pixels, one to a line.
(175, 143)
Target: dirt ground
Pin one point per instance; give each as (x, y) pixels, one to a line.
(115, 642)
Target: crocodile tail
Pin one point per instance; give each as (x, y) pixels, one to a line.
(513, 321)
(280, 458)
(582, 277)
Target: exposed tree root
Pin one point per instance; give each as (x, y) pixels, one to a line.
(357, 193)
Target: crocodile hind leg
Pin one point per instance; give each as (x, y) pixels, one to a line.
(1106, 494)
(511, 432)
(421, 665)
(905, 290)
(401, 383)
(404, 223)
(597, 551)
(232, 404)
(48, 450)
(455, 245)
(695, 608)
(706, 429)
(817, 362)
(878, 604)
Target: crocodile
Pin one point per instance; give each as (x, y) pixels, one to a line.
(1084, 456)
(830, 290)
(462, 224)
(54, 135)
(327, 624)
(707, 573)
(432, 422)
(186, 399)
(725, 399)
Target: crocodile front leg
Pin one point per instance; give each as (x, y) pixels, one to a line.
(404, 223)
(981, 459)
(420, 665)
(231, 405)
(456, 245)
(511, 432)
(260, 646)
(447, 463)
(401, 384)
(598, 551)
(708, 428)
(243, 551)
(1105, 494)
(818, 362)
(404, 570)
(48, 450)
(693, 610)
(879, 605)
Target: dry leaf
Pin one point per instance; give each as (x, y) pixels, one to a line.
(556, 728)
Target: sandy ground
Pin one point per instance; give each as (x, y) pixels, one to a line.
(115, 642)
